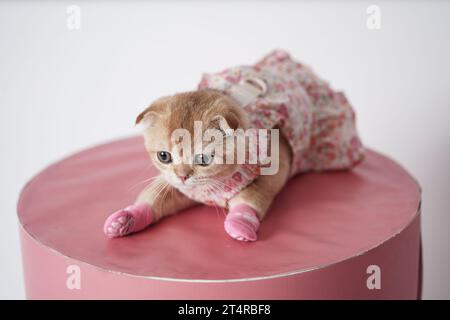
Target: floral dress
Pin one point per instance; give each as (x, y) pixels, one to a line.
(318, 122)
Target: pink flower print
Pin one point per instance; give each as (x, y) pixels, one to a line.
(330, 155)
(281, 55)
(283, 110)
(329, 92)
(258, 123)
(350, 155)
(290, 135)
(341, 98)
(266, 113)
(203, 83)
(262, 103)
(355, 143)
(237, 176)
(314, 96)
(232, 79)
(279, 87)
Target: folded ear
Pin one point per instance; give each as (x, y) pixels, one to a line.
(225, 123)
(157, 108)
(146, 116)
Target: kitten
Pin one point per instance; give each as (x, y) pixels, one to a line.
(317, 133)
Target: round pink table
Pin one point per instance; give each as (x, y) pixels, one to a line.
(344, 235)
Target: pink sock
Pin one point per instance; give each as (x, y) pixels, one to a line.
(131, 219)
(242, 223)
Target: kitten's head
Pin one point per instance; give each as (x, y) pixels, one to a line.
(167, 150)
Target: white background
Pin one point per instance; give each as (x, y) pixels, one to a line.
(63, 90)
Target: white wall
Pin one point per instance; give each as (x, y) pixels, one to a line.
(63, 90)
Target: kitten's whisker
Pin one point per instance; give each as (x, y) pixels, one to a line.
(216, 186)
(166, 190)
(156, 187)
(154, 181)
(146, 169)
(142, 182)
(159, 193)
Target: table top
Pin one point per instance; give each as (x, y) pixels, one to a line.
(317, 220)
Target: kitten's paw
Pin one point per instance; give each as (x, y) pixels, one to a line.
(242, 223)
(118, 224)
(125, 221)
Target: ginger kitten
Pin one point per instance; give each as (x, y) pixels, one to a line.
(317, 132)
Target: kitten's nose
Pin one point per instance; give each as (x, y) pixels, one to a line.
(183, 172)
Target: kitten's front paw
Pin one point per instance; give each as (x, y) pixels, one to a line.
(125, 221)
(118, 224)
(242, 223)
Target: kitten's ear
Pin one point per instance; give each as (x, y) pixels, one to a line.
(156, 109)
(225, 123)
(145, 116)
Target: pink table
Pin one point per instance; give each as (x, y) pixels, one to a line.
(346, 235)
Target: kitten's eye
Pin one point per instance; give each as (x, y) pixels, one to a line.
(164, 156)
(203, 159)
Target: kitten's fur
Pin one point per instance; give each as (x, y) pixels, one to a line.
(215, 110)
